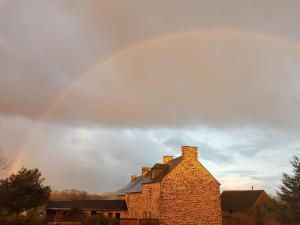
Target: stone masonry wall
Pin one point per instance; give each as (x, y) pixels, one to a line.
(144, 204)
(190, 195)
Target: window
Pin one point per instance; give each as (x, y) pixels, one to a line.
(118, 215)
(93, 212)
(110, 215)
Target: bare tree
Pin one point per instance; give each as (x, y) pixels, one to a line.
(3, 163)
(73, 194)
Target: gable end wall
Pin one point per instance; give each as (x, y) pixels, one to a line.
(190, 196)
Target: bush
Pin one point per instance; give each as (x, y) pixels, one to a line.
(11, 220)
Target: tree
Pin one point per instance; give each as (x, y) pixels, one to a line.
(23, 191)
(289, 193)
(3, 163)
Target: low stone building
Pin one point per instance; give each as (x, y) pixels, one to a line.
(178, 191)
(61, 210)
(239, 207)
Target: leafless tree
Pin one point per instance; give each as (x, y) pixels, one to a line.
(3, 163)
(73, 194)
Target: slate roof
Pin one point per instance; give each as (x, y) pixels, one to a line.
(167, 168)
(239, 200)
(105, 205)
(136, 185)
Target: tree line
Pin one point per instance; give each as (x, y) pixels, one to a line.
(73, 194)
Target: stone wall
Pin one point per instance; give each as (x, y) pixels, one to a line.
(144, 204)
(190, 195)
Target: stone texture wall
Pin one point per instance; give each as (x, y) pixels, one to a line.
(190, 195)
(145, 204)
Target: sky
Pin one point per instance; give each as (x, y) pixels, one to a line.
(91, 91)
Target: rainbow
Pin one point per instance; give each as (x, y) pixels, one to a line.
(59, 99)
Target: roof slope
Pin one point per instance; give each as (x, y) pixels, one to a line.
(136, 185)
(118, 205)
(239, 200)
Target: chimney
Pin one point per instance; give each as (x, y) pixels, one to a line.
(145, 169)
(189, 152)
(133, 178)
(167, 159)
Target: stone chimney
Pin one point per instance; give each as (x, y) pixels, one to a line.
(189, 152)
(145, 169)
(167, 158)
(133, 177)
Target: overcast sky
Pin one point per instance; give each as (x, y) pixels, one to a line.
(91, 91)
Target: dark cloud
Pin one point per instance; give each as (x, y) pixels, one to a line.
(206, 94)
(214, 78)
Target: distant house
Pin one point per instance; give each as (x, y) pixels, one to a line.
(59, 210)
(238, 206)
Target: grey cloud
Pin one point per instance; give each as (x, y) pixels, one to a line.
(205, 151)
(95, 159)
(239, 172)
(101, 159)
(214, 155)
(267, 140)
(248, 150)
(274, 178)
(253, 174)
(130, 90)
(194, 81)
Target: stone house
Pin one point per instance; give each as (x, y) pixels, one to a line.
(240, 206)
(178, 191)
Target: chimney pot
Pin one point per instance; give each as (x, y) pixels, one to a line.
(145, 169)
(167, 159)
(133, 178)
(189, 152)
